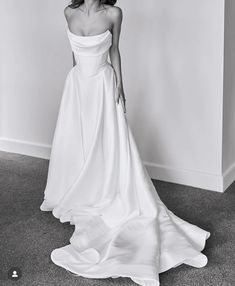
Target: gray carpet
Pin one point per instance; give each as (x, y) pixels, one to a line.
(28, 235)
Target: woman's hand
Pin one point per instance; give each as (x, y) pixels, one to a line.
(121, 96)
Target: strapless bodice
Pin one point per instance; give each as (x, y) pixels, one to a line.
(91, 52)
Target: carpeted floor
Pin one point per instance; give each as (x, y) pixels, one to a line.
(28, 236)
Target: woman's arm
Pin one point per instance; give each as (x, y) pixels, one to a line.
(114, 53)
(67, 14)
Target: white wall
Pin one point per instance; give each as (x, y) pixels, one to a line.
(172, 59)
(35, 58)
(173, 74)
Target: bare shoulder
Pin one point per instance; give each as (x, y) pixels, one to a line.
(114, 12)
(68, 12)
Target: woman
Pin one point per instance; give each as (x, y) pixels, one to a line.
(96, 179)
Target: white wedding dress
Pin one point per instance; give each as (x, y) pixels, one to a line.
(97, 182)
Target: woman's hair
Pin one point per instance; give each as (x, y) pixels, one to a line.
(76, 3)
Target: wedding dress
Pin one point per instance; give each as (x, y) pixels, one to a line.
(98, 183)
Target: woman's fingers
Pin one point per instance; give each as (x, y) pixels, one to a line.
(123, 100)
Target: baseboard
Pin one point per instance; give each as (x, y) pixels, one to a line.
(25, 148)
(229, 176)
(198, 179)
(193, 178)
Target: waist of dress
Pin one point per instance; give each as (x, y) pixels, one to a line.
(91, 70)
(90, 66)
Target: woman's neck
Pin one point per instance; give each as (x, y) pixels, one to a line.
(91, 6)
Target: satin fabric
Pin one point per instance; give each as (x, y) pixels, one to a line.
(98, 183)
